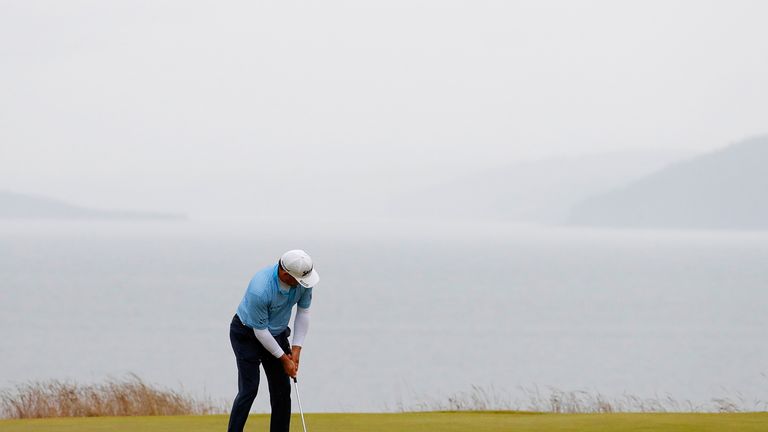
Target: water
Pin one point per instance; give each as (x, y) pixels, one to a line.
(405, 312)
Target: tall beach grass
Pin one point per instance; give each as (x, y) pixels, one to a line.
(130, 396)
(554, 400)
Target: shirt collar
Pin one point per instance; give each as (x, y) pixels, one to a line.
(283, 287)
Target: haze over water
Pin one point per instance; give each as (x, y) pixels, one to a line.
(405, 313)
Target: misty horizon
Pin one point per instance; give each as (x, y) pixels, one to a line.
(213, 109)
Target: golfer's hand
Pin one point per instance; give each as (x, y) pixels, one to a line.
(295, 355)
(288, 365)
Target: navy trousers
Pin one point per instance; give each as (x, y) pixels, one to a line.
(249, 354)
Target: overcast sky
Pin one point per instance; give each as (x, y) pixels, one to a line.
(185, 105)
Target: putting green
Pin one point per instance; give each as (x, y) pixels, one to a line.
(413, 422)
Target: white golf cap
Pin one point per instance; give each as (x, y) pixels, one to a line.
(299, 265)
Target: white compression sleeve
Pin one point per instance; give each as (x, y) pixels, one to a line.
(269, 342)
(300, 326)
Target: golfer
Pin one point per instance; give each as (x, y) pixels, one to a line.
(259, 335)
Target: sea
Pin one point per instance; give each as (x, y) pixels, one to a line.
(408, 314)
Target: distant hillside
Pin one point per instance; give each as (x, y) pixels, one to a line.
(19, 206)
(539, 191)
(727, 189)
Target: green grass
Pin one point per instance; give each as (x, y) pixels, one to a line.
(413, 422)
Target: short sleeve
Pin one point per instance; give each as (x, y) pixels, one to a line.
(306, 299)
(260, 312)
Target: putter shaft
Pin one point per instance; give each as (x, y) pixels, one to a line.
(298, 399)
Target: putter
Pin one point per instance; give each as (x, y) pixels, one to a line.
(298, 399)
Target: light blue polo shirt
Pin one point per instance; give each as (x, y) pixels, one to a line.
(267, 305)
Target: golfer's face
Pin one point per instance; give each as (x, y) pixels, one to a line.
(286, 278)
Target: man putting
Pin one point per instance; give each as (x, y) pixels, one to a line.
(259, 335)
